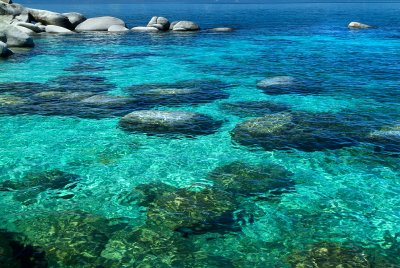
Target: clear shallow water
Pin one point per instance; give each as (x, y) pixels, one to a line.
(348, 196)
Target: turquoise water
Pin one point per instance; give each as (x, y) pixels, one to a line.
(345, 199)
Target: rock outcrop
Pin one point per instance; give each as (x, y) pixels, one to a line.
(14, 37)
(99, 24)
(185, 26)
(57, 30)
(117, 28)
(160, 23)
(50, 18)
(74, 18)
(4, 51)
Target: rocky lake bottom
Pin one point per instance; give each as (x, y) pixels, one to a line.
(274, 145)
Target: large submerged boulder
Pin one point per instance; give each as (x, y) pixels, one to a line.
(248, 180)
(386, 139)
(160, 23)
(302, 131)
(50, 18)
(253, 108)
(99, 24)
(154, 122)
(74, 18)
(185, 26)
(14, 37)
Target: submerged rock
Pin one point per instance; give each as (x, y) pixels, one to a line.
(358, 25)
(184, 92)
(253, 108)
(285, 85)
(92, 83)
(15, 254)
(29, 187)
(189, 211)
(386, 140)
(69, 238)
(74, 18)
(240, 178)
(117, 28)
(185, 26)
(14, 37)
(154, 122)
(303, 131)
(148, 246)
(50, 18)
(160, 23)
(107, 100)
(57, 30)
(4, 51)
(22, 89)
(10, 100)
(222, 29)
(326, 254)
(99, 24)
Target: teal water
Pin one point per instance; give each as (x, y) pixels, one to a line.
(344, 200)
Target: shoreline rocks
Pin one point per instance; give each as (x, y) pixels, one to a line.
(145, 29)
(74, 18)
(117, 28)
(185, 26)
(4, 51)
(57, 30)
(50, 18)
(99, 24)
(160, 23)
(222, 29)
(14, 37)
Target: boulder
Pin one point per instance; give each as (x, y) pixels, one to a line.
(99, 24)
(75, 18)
(24, 17)
(168, 122)
(145, 29)
(25, 30)
(30, 26)
(358, 25)
(50, 18)
(222, 29)
(171, 26)
(184, 26)
(57, 30)
(6, 1)
(160, 23)
(4, 51)
(117, 28)
(11, 9)
(15, 37)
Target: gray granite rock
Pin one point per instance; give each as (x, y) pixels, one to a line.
(184, 26)
(57, 30)
(145, 29)
(358, 25)
(160, 23)
(75, 18)
(50, 18)
(14, 37)
(4, 51)
(117, 28)
(99, 24)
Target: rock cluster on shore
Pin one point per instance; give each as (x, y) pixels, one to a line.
(18, 24)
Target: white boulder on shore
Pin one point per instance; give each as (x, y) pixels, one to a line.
(184, 26)
(117, 28)
(74, 18)
(30, 26)
(14, 37)
(50, 18)
(145, 29)
(25, 30)
(160, 23)
(99, 24)
(4, 51)
(57, 30)
(358, 25)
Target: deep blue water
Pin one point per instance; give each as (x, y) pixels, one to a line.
(302, 175)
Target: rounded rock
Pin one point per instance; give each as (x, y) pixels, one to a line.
(154, 122)
(4, 51)
(185, 26)
(117, 28)
(57, 30)
(75, 18)
(99, 24)
(50, 18)
(358, 25)
(145, 29)
(160, 23)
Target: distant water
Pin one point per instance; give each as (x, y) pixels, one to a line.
(341, 205)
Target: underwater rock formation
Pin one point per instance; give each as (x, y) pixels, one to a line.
(303, 131)
(253, 108)
(69, 238)
(32, 184)
(246, 180)
(186, 210)
(15, 254)
(386, 140)
(327, 254)
(179, 93)
(154, 122)
(279, 85)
